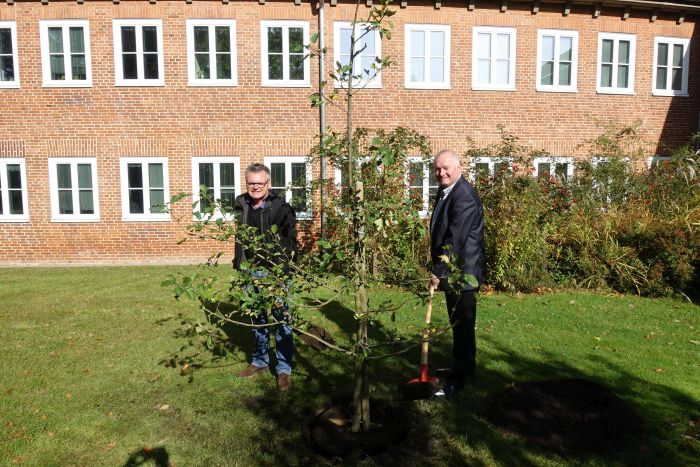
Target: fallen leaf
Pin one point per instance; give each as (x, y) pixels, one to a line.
(50, 434)
(659, 370)
(572, 302)
(17, 460)
(110, 414)
(69, 396)
(695, 342)
(164, 407)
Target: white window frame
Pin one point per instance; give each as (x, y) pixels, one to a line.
(493, 31)
(653, 161)
(427, 83)
(6, 216)
(12, 26)
(491, 161)
(124, 177)
(56, 216)
(671, 41)
(427, 167)
(376, 81)
(65, 26)
(287, 161)
(554, 160)
(217, 161)
(616, 38)
(118, 67)
(285, 81)
(191, 62)
(558, 34)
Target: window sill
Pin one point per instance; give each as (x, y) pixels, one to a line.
(285, 84)
(17, 220)
(13, 85)
(493, 88)
(427, 86)
(621, 92)
(146, 219)
(212, 84)
(141, 83)
(564, 90)
(67, 85)
(669, 94)
(74, 219)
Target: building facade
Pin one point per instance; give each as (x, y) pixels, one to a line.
(109, 108)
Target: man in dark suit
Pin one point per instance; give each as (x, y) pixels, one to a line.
(457, 237)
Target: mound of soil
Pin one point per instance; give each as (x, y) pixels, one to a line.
(565, 415)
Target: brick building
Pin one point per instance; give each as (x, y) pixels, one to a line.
(109, 107)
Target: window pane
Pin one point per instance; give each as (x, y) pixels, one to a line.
(201, 39)
(201, 66)
(58, 70)
(84, 176)
(206, 174)
(5, 41)
(417, 69)
(661, 77)
(483, 42)
(606, 76)
(502, 71)
(223, 38)
(129, 66)
(78, 67)
(437, 70)
(543, 169)
(368, 40)
(676, 79)
(622, 76)
(366, 62)
(150, 39)
(417, 43)
(547, 73)
(136, 201)
(227, 175)
(150, 66)
(415, 174)
(298, 200)
(223, 66)
(277, 175)
(345, 34)
(565, 49)
(482, 169)
(274, 66)
(624, 53)
(55, 40)
(135, 174)
(16, 205)
(77, 40)
(503, 45)
(565, 74)
(7, 69)
(274, 40)
(562, 169)
(548, 48)
(64, 176)
(662, 55)
(86, 202)
(483, 71)
(65, 202)
(677, 55)
(128, 39)
(607, 53)
(155, 176)
(296, 40)
(298, 173)
(14, 177)
(157, 201)
(228, 197)
(1, 209)
(437, 44)
(296, 67)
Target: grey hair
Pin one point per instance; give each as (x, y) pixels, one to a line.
(449, 152)
(257, 168)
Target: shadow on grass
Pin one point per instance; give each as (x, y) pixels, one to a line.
(151, 456)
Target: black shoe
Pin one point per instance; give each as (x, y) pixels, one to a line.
(451, 389)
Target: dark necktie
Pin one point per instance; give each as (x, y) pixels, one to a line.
(436, 209)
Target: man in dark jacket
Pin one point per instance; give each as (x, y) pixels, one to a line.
(262, 209)
(457, 237)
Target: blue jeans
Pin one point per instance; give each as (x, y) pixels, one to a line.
(284, 344)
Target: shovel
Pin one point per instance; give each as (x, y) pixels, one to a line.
(424, 386)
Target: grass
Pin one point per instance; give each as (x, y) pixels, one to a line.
(99, 363)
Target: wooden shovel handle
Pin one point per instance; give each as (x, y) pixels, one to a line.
(428, 314)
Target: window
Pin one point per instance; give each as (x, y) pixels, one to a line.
(671, 58)
(138, 54)
(421, 182)
(283, 53)
(144, 188)
(13, 191)
(493, 59)
(427, 56)
(65, 53)
(368, 50)
(211, 52)
(616, 54)
(560, 167)
(73, 184)
(220, 176)
(484, 166)
(655, 162)
(9, 64)
(290, 177)
(557, 60)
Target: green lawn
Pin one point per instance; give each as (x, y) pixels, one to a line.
(92, 370)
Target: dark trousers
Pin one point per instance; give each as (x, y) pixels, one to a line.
(461, 308)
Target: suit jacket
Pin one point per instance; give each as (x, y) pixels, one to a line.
(457, 231)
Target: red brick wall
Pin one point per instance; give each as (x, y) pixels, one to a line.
(252, 122)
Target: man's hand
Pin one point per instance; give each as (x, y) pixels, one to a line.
(435, 281)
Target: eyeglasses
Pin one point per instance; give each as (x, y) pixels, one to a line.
(256, 184)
